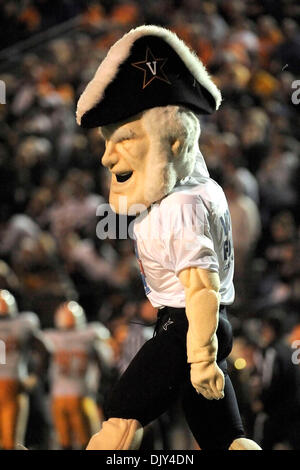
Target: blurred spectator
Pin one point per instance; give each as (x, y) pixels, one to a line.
(131, 330)
(288, 52)
(280, 382)
(275, 176)
(43, 279)
(245, 232)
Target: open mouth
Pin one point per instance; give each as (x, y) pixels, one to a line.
(122, 177)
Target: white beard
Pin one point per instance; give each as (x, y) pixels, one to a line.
(165, 170)
(165, 125)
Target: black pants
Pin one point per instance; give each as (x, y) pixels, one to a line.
(159, 374)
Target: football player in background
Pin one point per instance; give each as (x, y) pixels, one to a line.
(21, 339)
(80, 357)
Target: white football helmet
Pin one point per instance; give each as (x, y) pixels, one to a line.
(8, 304)
(69, 315)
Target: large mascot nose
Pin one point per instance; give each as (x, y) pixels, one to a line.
(110, 157)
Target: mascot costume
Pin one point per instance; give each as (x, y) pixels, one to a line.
(146, 97)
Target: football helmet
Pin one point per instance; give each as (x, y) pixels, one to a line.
(69, 315)
(8, 304)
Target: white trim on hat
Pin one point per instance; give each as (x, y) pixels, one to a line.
(120, 51)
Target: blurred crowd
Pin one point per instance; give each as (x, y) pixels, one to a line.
(52, 183)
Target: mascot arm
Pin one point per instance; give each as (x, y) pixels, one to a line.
(202, 310)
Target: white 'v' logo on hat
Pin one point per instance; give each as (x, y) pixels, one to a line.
(150, 67)
(152, 70)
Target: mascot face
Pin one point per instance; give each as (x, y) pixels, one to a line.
(126, 156)
(147, 155)
(153, 150)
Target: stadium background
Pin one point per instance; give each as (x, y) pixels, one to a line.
(51, 180)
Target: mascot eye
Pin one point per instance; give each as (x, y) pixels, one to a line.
(125, 140)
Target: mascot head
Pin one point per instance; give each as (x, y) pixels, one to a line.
(146, 97)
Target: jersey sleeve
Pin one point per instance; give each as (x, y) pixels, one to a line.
(49, 337)
(186, 234)
(98, 331)
(30, 321)
(100, 335)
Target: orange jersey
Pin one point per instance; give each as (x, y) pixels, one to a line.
(15, 334)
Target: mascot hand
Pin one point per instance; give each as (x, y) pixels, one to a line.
(208, 379)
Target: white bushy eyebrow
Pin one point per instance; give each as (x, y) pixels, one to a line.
(119, 134)
(123, 134)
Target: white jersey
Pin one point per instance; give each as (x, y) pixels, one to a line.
(72, 354)
(15, 335)
(191, 227)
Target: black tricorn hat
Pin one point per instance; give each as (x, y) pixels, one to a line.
(148, 67)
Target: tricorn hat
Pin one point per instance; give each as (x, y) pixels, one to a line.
(148, 67)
